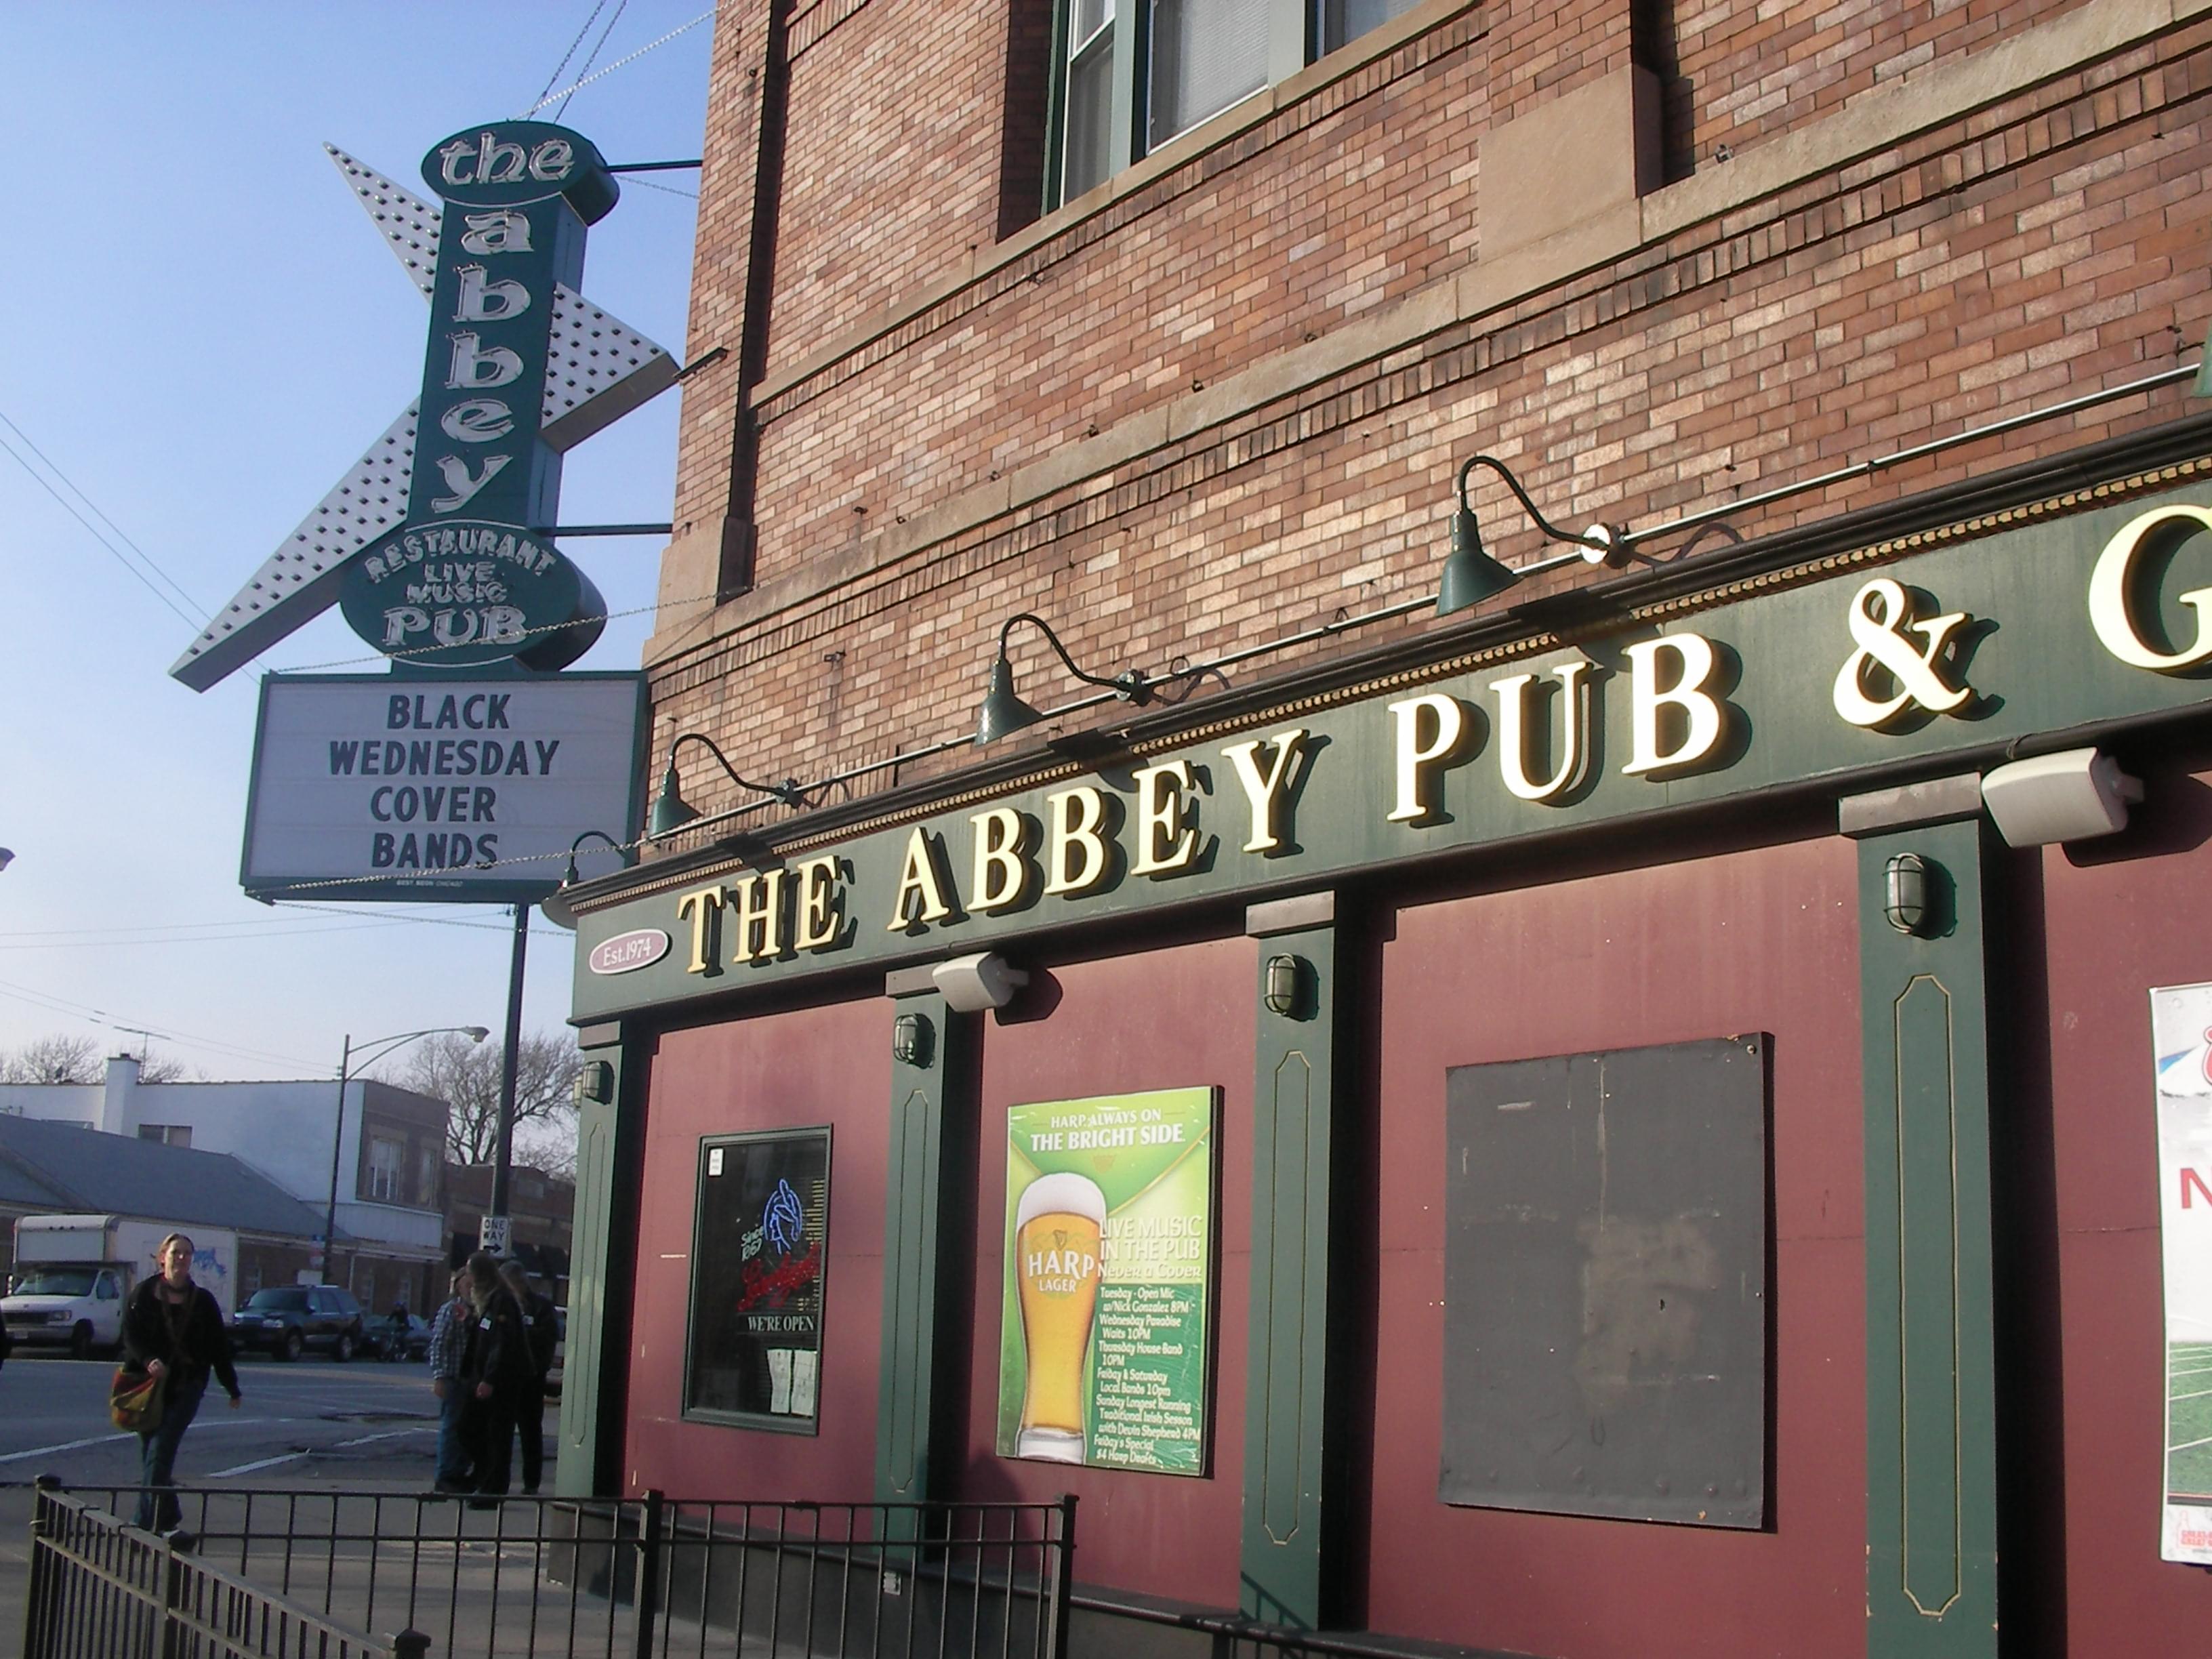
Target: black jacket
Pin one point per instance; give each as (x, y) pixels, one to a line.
(544, 1333)
(499, 1347)
(206, 1343)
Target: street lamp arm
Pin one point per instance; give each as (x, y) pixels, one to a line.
(383, 1045)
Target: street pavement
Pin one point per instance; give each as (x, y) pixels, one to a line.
(310, 1427)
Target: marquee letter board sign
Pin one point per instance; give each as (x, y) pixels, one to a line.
(1605, 1284)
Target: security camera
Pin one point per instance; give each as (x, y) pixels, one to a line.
(2069, 796)
(971, 984)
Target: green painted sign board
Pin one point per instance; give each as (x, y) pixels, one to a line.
(1722, 696)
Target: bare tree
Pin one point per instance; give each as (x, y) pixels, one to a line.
(163, 1068)
(465, 1075)
(53, 1059)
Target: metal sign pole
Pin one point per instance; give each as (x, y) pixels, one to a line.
(503, 1166)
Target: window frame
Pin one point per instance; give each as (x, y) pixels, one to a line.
(771, 1422)
(1294, 40)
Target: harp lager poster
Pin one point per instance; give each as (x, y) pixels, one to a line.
(1109, 1285)
(2181, 1035)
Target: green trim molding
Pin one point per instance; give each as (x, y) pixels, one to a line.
(1287, 1377)
(1931, 1381)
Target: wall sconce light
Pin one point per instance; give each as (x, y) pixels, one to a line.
(2069, 796)
(910, 1040)
(555, 906)
(1471, 576)
(670, 811)
(1003, 712)
(1284, 978)
(595, 1083)
(1908, 894)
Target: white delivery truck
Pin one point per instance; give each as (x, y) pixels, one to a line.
(73, 1273)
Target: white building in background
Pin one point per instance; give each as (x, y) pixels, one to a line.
(388, 1146)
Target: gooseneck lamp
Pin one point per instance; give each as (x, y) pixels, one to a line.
(670, 811)
(555, 906)
(1471, 576)
(1003, 711)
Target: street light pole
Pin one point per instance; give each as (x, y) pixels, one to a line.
(383, 1045)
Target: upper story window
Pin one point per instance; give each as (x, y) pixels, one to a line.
(1131, 74)
(385, 1158)
(169, 1135)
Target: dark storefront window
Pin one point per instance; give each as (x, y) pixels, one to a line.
(759, 1250)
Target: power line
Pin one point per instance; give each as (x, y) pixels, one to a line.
(113, 551)
(562, 97)
(597, 46)
(543, 91)
(100, 1017)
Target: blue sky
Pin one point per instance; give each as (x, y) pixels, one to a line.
(204, 332)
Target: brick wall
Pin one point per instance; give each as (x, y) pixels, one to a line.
(2043, 242)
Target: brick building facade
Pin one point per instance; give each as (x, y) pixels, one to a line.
(1847, 316)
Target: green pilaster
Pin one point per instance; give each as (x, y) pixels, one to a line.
(1931, 1386)
(923, 1185)
(601, 1275)
(1287, 1375)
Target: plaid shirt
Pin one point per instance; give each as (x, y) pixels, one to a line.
(448, 1332)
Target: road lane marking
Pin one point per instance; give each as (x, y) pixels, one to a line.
(265, 1463)
(65, 1445)
(294, 1458)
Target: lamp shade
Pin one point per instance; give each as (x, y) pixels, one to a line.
(1471, 576)
(1002, 712)
(670, 811)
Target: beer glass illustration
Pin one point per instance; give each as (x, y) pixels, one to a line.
(1057, 1231)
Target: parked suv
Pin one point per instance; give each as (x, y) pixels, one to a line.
(287, 1320)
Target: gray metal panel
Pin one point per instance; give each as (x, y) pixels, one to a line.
(409, 225)
(300, 580)
(1605, 1284)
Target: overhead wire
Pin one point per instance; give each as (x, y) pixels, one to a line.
(93, 530)
(591, 57)
(563, 96)
(547, 88)
(95, 1016)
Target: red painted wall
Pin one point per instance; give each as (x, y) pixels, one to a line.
(2121, 916)
(1161, 1019)
(1744, 941)
(813, 1066)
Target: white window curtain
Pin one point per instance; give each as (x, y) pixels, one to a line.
(1207, 55)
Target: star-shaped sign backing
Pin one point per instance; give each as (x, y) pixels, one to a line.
(598, 370)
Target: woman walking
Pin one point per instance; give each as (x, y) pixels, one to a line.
(173, 1329)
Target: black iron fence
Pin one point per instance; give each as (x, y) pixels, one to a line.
(271, 1574)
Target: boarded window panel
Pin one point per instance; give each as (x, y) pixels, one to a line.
(1605, 1284)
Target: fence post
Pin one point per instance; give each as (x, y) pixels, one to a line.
(645, 1592)
(1064, 1576)
(410, 1644)
(38, 1620)
(173, 1642)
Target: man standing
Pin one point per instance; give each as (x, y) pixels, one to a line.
(530, 1411)
(496, 1376)
(449, 1333)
